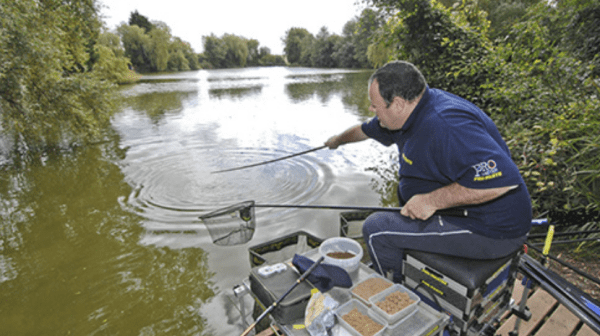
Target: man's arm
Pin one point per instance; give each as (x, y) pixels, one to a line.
(353, 134)
(423, 206)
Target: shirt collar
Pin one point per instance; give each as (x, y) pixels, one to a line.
(417, 112)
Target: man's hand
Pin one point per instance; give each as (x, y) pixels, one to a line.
(418, 207)
(333, 142)
(353, 134)
(423, 206)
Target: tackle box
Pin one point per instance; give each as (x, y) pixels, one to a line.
(269, 282)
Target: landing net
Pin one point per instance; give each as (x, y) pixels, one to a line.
(233, 225)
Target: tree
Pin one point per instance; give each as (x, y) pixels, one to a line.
(295, 41)
(351, 51)
(137, 46)
(49, 96)
(182, 56)
(157, 50)
(307, 50)
(112, 64)
(214, 50)
(369, 22)
(231, 51)
(583, 32)
(253, 52)
(160, 42)
(141, 21)
(237, 51)
(447, 46)
(323, 49)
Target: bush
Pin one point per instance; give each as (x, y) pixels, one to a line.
(540, 93)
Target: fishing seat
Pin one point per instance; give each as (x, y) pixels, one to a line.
(472, 291)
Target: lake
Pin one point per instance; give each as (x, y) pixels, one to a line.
(107, 241)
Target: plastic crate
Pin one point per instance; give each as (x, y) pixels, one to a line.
(283, 248)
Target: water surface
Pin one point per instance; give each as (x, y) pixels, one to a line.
(107, 241)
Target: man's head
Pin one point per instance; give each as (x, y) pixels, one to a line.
(399, 79)
(394, 91)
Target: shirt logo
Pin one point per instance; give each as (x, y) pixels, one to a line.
(486, 170)
(407, 160)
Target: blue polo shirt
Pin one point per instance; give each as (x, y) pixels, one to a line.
(447, 139)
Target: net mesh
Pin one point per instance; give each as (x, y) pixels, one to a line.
(233, 225)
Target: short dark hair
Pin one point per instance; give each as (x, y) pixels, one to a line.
(399, 79)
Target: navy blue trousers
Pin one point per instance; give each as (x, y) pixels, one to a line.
(388, 234)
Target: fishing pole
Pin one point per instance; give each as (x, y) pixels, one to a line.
(270, 161)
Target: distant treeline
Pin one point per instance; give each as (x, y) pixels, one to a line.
(231, 51)
(151, 48)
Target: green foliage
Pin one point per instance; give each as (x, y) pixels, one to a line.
(266, 59)
(294, 40)
(502, 15)
(137, 45)
(112, 65)
(328, 50)
(444, 44)
(152, 48)
(214, 51)
(49, 95)
(182, 57)
(136, 19)
(583, 35)
(231, 51)
(160, 43)
(545, 99)
(539, 82)
(236, 54)
(323, 49)
(254, 53)
(351, 49)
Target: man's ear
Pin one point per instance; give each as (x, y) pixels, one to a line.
(398, 104)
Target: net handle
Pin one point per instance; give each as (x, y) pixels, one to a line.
(248, 204)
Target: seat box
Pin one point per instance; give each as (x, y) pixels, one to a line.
(470, 299)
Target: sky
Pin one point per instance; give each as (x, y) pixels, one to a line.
(262, 20)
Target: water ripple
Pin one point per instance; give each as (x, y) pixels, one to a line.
(171, 188)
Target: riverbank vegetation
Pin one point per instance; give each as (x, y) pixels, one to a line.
(533, 66)
(57, 66)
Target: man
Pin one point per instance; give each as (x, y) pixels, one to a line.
(451, 155)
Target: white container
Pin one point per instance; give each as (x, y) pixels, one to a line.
(393, 318)
(348, 306)
(341, 244)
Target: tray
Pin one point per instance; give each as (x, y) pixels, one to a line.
(419, 323)
(350, 305)
(393, 318)
(361, 299)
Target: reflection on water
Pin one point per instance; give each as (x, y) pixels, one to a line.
(235, 93)
(107, 241)
(71, 262)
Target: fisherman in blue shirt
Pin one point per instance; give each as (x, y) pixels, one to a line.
(451, 155)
